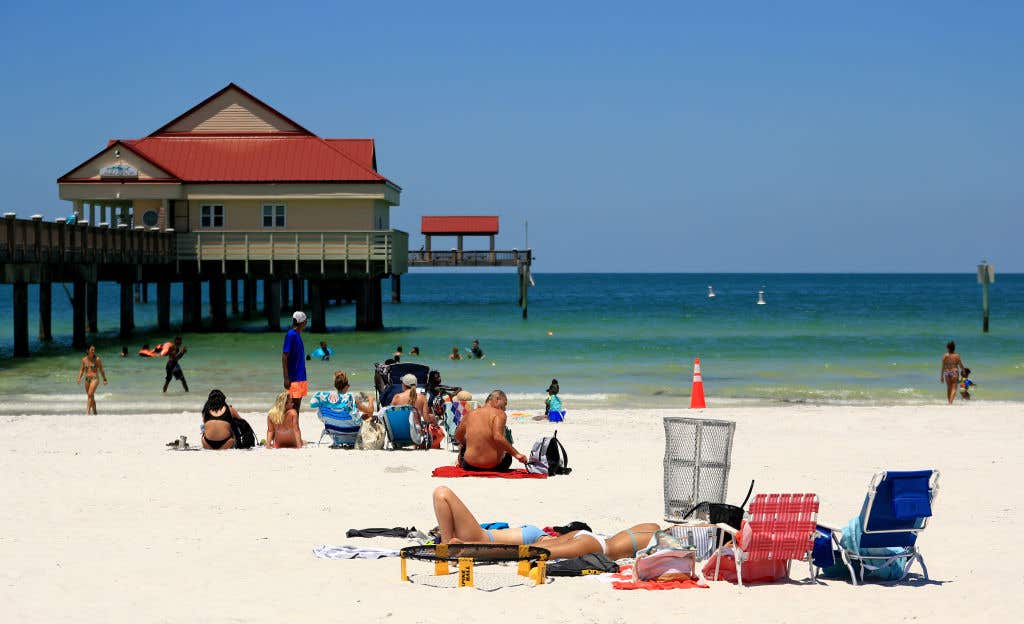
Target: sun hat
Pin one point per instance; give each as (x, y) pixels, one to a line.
(408, 379)
(299, 316)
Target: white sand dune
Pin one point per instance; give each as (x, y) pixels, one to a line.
(100, 523)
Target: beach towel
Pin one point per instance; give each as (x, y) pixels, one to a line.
(452, 472)
(625, 575)
(325, 551)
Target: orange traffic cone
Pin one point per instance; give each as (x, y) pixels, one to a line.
(697, 394)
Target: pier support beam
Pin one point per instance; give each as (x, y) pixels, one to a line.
(20, 300)
(249, 297)
(78, 314)
(163, 306)
(218, 302)
(297, 293)
(191, 305)
(46, 311)
(369, 314)
(396, 289)
(282, 298)
(318, 307)
(272, 303)
(127, 309)
(92, 291)
(234, 297)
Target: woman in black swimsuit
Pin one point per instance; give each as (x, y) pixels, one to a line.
(217, 415)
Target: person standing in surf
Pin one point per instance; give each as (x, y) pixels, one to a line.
(952, 366)
(91, 369)
(293, 365)
(173, 369)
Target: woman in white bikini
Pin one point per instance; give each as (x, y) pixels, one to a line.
(91, 369)
(459, 526)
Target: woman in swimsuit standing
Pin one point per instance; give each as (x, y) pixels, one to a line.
(458, 525)
(91, 369)
(217, 415)
(951, 368)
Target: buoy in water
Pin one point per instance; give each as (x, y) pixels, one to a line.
(760, 297)
(711, 292)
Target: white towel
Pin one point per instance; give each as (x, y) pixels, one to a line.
(325, 551)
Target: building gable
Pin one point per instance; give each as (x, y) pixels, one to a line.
(117, 163)
(231, 110)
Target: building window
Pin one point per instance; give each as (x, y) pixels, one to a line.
(273, 215)
(211, 216)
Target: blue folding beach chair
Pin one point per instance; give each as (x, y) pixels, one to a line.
(403, 427)
(341, 419)
(882, 541)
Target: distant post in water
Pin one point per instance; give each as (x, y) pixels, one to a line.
(986, 276)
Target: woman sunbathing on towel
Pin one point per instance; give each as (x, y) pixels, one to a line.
(459, 526)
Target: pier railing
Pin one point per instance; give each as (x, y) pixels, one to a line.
(471, 258)
(37, 241)
(360, 249)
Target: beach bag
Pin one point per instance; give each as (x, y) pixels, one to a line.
(371, 435)
(436, 435)
(548, 457)
(667, 559)
(245, 437)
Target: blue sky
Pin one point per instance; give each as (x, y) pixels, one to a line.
(811, 136)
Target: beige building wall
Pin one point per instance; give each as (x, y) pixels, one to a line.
(302, 215)
(91, 169)
(231, 112)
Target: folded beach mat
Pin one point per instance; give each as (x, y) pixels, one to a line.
(453, 472)
(626, 574)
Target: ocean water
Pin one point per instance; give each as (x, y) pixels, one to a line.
(610, 339)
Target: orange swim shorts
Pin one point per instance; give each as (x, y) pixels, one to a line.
(298, 389)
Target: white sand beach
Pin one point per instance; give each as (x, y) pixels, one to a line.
(101, 523)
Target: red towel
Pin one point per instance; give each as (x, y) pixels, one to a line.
(456, 471)
(625, 572)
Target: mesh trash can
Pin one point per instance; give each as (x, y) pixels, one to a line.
(698, 453)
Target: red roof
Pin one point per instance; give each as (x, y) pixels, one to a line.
(459, 225)
(360, 150)
(257, 159)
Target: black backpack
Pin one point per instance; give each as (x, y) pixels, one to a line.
(245, 437)
(549, 457)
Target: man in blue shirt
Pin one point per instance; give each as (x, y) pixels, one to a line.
(293, 363)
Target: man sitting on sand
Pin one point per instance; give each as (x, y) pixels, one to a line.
(481, 436)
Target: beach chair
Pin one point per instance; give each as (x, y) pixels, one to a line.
(388, 379)
(895, 510)
(341, 420)
(698, 455)
(453, 413)
(404, 427)
(782, 528)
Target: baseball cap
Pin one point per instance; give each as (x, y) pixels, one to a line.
(409, 379)
(299, 316)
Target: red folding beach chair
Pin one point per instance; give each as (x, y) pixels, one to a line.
(781, 529)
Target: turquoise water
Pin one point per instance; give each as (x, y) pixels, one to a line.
(615, 339)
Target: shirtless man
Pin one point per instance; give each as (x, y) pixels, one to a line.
(173, 368)
(481, 436)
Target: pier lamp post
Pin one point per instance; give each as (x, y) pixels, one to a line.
(986, 276)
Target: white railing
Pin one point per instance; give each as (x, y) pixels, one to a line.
(387, 247)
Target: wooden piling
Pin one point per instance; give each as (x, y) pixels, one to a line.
(272, 303)
(369, 314)
(45, 311)
(218, 302)
(163, 305)
(92, 290)
(78, 314)
(396, 289)
(127, 308)
(249, 297)
(191, 305)
(20, 303)
(318, 309)
(234, 297)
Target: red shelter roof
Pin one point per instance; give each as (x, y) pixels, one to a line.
(465, 225)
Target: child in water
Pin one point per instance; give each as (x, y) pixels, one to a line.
(966, 384)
